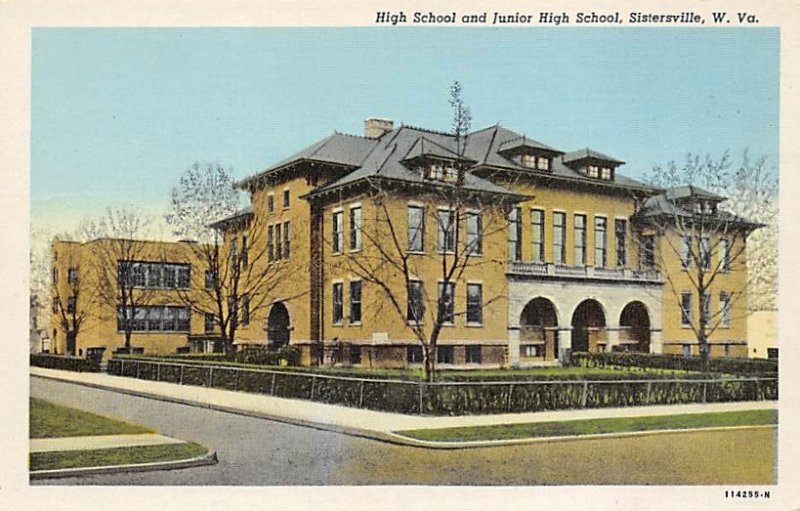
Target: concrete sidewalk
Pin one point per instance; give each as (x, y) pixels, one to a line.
(83, 443)
(352, 420)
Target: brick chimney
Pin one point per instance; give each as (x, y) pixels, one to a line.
(376, 128)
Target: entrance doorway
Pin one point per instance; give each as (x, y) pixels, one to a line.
(588, 322)
(278, 326)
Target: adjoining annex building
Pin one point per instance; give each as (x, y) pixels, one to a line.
(577, 264)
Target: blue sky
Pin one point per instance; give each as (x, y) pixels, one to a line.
(119, 114)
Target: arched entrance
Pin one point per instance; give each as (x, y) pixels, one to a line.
(636, 322)
(588, 322)
(278, 326)
(538, 330)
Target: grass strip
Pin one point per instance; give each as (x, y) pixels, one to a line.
(48, 420)
(115, 456)
(595, 426)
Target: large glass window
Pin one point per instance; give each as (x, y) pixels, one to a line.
(706, 308)
(474, 233)
(270, 243)
(724, 255)
(447, 302)
(686, 309)
(286, 249)
(580, 240)
(705, 252)
(355, 301)
(338, 303)
(647, 252)
(600, 248)
(559, 247)
(686, 252)
(245, 309)
(537, 234)
(416, 228)
(416, 304)
(621, 237)
(447, 230)
(444, 354)
(154, 275)
(725, 308)
(338, 232)
(355, 228)
(514, 235)
(473, 354)
(474, 303)
(155, 318)
(245, 251)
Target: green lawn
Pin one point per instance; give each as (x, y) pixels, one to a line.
(49, 421)
(118, 456)
(595, 426)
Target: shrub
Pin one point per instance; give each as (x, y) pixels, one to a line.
(737, 366)
(65, 363)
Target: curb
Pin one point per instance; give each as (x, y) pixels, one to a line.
(209, 458)
(427, 444)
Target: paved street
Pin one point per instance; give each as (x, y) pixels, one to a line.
(256, 451)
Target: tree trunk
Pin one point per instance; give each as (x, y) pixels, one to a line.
(127, 341)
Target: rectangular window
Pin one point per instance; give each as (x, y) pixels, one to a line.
(605, 173)
(169, 319)
(286, 199)
(168, 278)
(270, 203)
(706, 308)
(210, 322)
(593, 171)
(416, 305)
(580, 240)
(447, 229)
(537, 234)
(529, 160)
(705, 252)
(286, 249)
(139, 272)
(338, 304)
(533, 350)
(559, 247)
(278, 243)
(414, 354)
(153, 317)
(686, 252)
(473, 354)
(245, 310)
(71, 305)
(234, 252)
(355, 301)
(514, 235)
(647, 252)
(600, 247)
(55, 275)
(270, 244)
(444, 354)
(245, 251)
(686, 309)
(474, 304)
(338, 232)
(621, 237)
(474, 234)
(355, 355)
(416, 228)
(184, 319)
(542, 163)
(355, 228)
(210, 279)
(687, 350)
(56, 305)
(184, 277)
(154, 275)
(447, 302)
(233, 311)
(725, 308)
(724, 255)
(72, 275)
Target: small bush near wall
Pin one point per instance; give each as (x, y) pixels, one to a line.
(738, 366)
(83, 365)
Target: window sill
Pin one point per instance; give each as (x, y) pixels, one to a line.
(356, 250)
(355, 323)
(473, 325)
(415, 252)
(448, 325)
(340, 324)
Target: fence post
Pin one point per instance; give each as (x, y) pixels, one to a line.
(158, 372)
(420, 397)
(705, 390)
(758, 389)
(210, 375)
(510, 392)
(122, 367)
(361, 394)
(138, 364)
(313, 381)
(272, 387)
(647, 397)
(585, 393)
(180, 381)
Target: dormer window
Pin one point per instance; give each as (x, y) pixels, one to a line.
(597, 171)
(533, 161)
(441, 172)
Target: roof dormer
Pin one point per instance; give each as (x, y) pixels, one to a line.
(437, 162)
(529, 153)
(592, 164)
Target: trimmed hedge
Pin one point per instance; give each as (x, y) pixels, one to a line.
(451, 398)
(81, 365)
(738, 366)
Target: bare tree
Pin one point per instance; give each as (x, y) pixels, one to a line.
(204, 194)
(708, 241)
(115, 264)
(393, 260)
